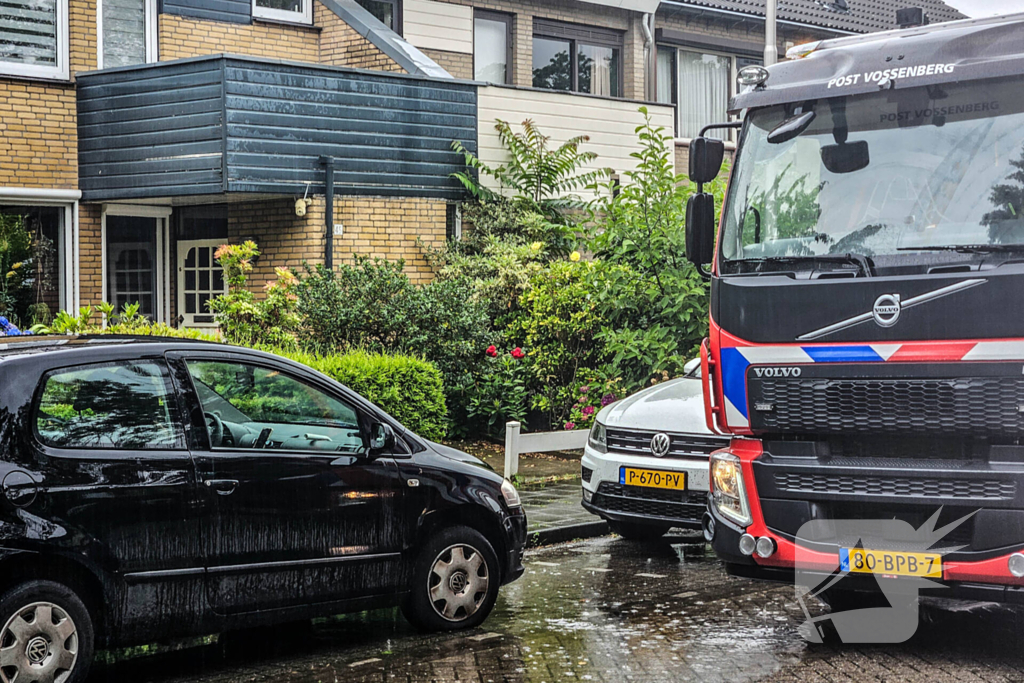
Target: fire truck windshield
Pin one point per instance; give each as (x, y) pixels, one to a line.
(897, 178)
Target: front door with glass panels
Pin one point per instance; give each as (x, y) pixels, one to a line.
(133, 262)
(200, 278)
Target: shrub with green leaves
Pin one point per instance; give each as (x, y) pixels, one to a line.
(371, 305)
(409, 389)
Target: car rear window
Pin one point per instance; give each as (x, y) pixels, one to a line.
(126, 406)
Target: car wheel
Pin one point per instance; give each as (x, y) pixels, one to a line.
(455, 581)
(47, 634)
(638, 532)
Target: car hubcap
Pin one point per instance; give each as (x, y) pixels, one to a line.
(38, 643)
(458, 582)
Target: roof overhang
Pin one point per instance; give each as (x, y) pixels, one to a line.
(649, 6)
(941, 53)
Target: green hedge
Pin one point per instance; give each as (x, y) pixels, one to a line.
(407, 388)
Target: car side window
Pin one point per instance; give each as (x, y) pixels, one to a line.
(250, 406)
(124, 406)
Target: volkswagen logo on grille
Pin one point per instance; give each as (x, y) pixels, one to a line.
(886, 310)
(660, 444)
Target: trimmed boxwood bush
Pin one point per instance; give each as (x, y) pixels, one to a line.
(407, 388)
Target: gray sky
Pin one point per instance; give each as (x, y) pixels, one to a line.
(984, 8)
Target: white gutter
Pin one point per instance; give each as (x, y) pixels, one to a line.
(703, 8)
(650, 79)
(41, 193)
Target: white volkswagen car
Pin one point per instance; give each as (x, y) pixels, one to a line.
(645, 467)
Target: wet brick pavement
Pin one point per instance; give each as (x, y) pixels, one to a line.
(605, 610)
(554, 505)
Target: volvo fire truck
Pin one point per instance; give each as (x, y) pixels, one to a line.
(866, 344)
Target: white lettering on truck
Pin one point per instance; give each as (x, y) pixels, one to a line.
(885, 74)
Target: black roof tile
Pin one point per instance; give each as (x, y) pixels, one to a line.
(860, 16)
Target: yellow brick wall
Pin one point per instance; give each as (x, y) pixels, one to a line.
(182, 37)
(91, 256)
(374, 226)
(38, 119)
(38, 135)
(458, 64)
(341, 45)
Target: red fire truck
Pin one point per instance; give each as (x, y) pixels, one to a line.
(866, 346)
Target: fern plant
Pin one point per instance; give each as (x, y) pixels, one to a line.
(542, 178)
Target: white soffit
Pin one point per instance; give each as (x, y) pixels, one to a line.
(648, 6)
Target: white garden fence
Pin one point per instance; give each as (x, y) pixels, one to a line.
(539, 442)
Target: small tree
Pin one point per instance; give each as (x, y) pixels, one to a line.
(542, 178)
(244, 319)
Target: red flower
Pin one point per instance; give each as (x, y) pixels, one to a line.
(588, 410)
(492, 351)
(517, 353)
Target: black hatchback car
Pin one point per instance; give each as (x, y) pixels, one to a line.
(161, 488)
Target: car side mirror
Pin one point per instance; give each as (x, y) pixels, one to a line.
(382, 437)
(706, 157)
(700, 229)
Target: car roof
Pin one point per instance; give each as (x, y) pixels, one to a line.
(38, 344)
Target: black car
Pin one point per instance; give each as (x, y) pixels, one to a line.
(162, 488)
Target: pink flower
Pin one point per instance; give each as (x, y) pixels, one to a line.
(570, 426)
(589, 410)
(606, 399)
(584, 390)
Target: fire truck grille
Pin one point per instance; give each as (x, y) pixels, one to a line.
(815, 405)
(888, 485)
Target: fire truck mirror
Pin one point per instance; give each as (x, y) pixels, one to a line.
(845, 157)
(706, 155)
(700, 228)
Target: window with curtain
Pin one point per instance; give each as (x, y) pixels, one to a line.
(124, 32)
(577, 58)
(292, 11)
(389, 12)
(704, 88)
(491, 42)
(33, 38)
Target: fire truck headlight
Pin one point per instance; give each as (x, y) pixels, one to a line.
(727, 489)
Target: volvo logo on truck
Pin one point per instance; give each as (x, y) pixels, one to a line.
(778, 372)
(886, 310)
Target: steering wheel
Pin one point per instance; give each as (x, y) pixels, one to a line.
(216, 428)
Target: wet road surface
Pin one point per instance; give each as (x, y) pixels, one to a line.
(605, 610)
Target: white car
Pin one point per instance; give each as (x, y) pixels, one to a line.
(645, 467)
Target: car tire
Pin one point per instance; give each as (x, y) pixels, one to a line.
(638, 532)
(450, 588)
(59, 649)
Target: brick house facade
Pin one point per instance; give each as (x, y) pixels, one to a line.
(143, 133)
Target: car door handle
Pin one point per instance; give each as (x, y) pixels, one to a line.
(223, 487)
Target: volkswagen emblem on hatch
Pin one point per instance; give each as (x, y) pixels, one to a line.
(660, 445)
(886, 310)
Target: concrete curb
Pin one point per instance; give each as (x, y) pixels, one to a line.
(561, 534)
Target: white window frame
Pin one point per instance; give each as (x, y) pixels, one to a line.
(68, 269)
(163, 275)
(152, 33)
(733, 58)
(59, 72)
(183, 247)
(284, 16)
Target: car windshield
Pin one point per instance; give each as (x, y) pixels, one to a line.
(888, 180)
